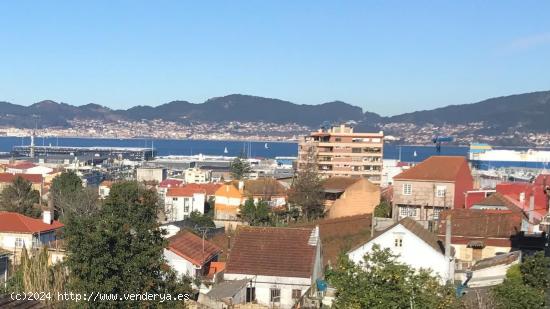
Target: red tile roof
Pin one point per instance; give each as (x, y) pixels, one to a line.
(208, 188)
(271, 251)
(484, 225)
(22, 165)
(190, 247)
(9, 177)
(18, 223)
(338, 183)
(169, 183)
(184, 191)
(436, 168)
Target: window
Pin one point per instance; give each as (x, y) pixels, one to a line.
(355, 150)
(440, 191)
(186, 205)
(398, 241)
(174, 199)
(437, 210)
(275, 295)
(407, 211)
(407, 189)
(337, 139)
(296, 293)
(19, 242)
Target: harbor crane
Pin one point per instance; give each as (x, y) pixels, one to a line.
(437, 140)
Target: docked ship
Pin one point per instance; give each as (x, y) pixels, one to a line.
(484, 157)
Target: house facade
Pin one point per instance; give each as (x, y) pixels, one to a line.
(180, 202)
(263, 256)
(197, 175)
(18, 231)
(189, 255)
(231, 195)
(414, 245)
(436, 184)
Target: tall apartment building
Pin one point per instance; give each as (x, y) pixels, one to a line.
(339, 151)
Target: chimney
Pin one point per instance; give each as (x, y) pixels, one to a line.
(47, 216)
(448, 249)
(241, 185)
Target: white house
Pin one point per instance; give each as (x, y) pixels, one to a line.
(415, 246)
(180, 202)
(17, 230)
(104, 188)
(282, 264)
(189, 255)
(492, 271)
(197, 175)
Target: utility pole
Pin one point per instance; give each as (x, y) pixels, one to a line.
(448, 245)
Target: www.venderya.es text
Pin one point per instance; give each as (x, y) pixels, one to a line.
(98, 297)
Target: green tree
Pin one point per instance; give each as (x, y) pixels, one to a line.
(198, 220)
(120, 249)
(306, 191)
(240, 168)
(380, 281)
(536, 271)
(20, 197)
(383, 210)
(255, 213)
(66, 192)
(524, 285)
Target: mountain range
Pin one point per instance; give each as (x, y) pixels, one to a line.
(528, 111)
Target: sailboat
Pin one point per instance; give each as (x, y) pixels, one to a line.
(265, 146)
(414, 154)
(225, 150)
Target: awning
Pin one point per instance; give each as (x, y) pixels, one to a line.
(476, 244)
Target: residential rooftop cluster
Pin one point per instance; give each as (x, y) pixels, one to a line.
(271, 232)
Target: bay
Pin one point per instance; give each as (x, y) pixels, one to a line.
(166, 147)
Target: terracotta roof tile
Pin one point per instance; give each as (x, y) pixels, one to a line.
(9, 177)
(264, 186)
(437, 168)
(18, 223)
(338, 183)
(190, 246)
(271, 251)
(168, 183)
(475, 223)
(22, 165)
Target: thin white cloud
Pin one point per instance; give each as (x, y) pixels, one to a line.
(530, 42)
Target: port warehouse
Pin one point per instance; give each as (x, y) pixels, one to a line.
(484, 157)
(132, 153)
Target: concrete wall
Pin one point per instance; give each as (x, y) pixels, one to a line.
(264, 284)
(463, 253)
(414, 251)
(179, 264)
(359, 198)
(151, 174)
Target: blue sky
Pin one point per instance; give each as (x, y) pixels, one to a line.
(385, 56)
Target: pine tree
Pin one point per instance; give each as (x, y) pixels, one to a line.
(20, 197)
